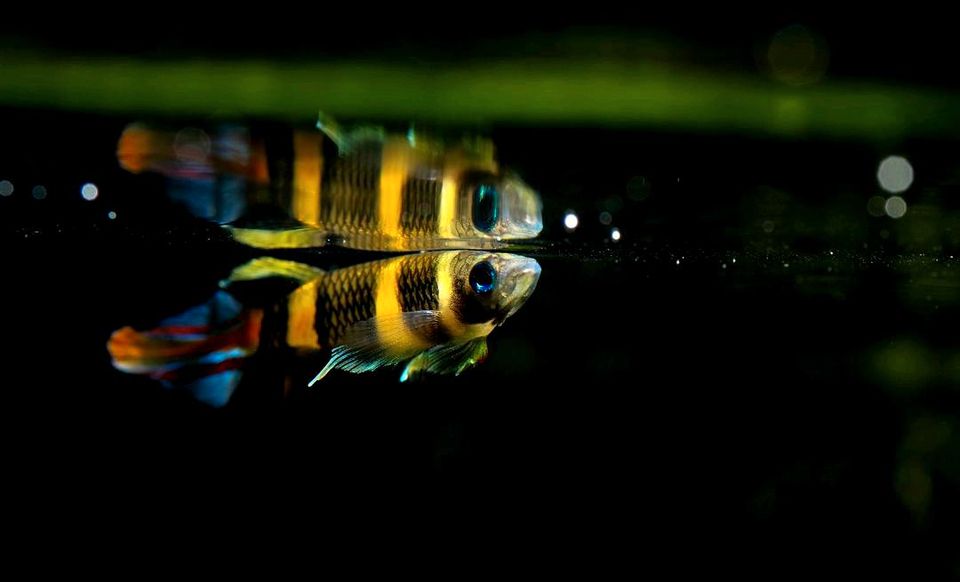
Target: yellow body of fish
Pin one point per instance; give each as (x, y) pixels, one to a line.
(366, 189)
(433, 310)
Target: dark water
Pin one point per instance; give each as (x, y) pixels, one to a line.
(758, 374)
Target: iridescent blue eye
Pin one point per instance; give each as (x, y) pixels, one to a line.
(486, 207)
(483, 278)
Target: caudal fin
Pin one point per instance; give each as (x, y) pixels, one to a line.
(213, 175)
(201, 350)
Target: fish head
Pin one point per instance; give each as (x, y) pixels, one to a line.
(501, 206)
(490, 287)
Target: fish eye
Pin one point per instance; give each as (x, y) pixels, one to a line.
(486, 207)
(483, 278)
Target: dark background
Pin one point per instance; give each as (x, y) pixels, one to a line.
(913, 44)
(704, 415)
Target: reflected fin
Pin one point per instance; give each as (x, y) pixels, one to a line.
(296, 238)
(451, 358)
(347, 140)
(266, 267)
(330, 128)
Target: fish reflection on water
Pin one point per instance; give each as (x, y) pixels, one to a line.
(432, 310)
(365, 188)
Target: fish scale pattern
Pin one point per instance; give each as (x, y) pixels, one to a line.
(420, 206)
(350, 197)
(346, 297)
(417, 283)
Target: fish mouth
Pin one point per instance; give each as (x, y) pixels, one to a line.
(521, 211)
(522, 274)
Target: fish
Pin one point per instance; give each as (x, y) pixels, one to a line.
(362, 188)
(432, 312)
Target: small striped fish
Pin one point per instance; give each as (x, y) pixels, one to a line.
(365, 189)
(432, 310)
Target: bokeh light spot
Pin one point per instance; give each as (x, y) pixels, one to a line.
(6, 187)
(89, 191)
(895, 174)
(570, 221)
(895, 207)
(615, 234)
(39, 192)
(875, 206)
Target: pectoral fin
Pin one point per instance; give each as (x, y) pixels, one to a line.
(381, 341)
(451, 358)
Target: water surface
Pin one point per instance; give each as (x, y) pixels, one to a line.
(762, 351)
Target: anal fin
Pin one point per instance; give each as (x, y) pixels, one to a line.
(450, 358)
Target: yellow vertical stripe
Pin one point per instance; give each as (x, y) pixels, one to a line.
(446, 283)
(447, 223)
(391, 328)
(395, 167)
(307, 173)
(455, 163)
(301, 315)
(446, 279)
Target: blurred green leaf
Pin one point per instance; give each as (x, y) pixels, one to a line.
(600, 92)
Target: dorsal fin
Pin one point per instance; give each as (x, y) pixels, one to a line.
(266, 267)
(348, 139)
